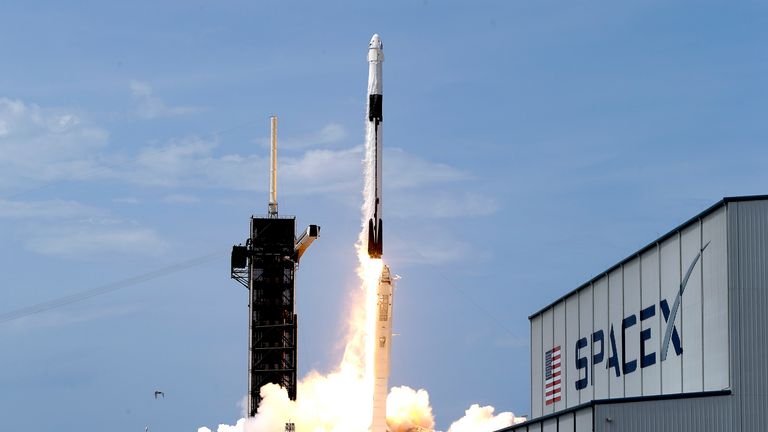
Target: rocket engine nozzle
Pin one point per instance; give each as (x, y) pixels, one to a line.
(375, 238)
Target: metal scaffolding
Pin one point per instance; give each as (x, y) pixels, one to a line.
(266, 265)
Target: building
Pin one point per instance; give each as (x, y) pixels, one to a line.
(672, 338)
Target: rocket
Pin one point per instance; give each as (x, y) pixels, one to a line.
(382, 337)
(374, 129)
(382, 349)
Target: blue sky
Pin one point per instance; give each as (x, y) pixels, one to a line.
(529, 146)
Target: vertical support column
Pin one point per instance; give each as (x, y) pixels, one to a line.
(272, 210)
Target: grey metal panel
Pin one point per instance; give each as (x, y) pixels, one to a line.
(734, 309)
(704, 414)
(616, 314)
(559, 341)
(583, 419)
(536, 427)
(600, 310)
(750, 292)
(585, 330)
(566, 423)
(651, 375)
(632, 381)
(547, 338)
(537, 373)
(569, 365)
(523, 428)
(549, 425)
(691, 311)
(715, 297)
(671, 369)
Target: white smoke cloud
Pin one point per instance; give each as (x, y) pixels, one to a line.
(482, 419)
(330, 402)
(333, 403)
(408, 410)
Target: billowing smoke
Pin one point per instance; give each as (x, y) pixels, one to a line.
(409, 410)
(342, 400)
(317, 409)
(481, 419)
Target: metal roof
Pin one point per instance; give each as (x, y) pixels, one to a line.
(652, 244)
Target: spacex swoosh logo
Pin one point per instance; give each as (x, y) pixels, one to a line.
(605, 348)
(676, 305)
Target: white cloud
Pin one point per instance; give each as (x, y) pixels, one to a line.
(191, 162)
(405, 170)
(325, 170)
(441, 204)
(328, 135)
(181, 199)
(60, 318)
(53, 145)
(149, 106)
(81, 231)
(46, 145)
(86, 240)
(175, 164)
(125, 200)
(426, 246)
(52, 209)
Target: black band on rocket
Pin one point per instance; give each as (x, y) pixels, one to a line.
(374, 107)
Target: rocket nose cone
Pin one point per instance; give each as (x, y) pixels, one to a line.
(375, 42)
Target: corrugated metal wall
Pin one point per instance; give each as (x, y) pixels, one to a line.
(575, 421)
(694, 414)
(712, 413)
(748, 261)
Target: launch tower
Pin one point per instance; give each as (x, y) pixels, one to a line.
(266, 266)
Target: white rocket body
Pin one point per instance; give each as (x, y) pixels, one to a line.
(376, 130)
(383, 344)
(384, 290)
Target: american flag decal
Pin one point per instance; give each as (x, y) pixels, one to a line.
(552, 376)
